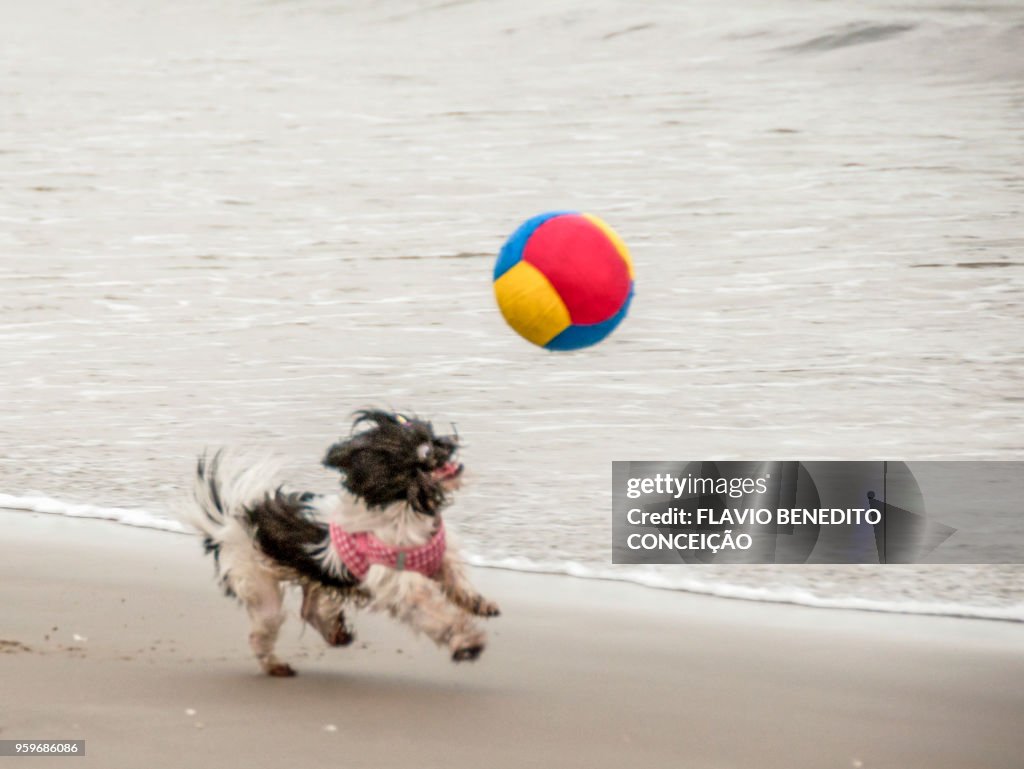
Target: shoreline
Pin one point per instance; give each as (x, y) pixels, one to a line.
(143, 519)
(578, 672)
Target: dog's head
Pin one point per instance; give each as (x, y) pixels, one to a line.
(394, 458)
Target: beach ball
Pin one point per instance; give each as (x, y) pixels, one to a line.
(564, 280)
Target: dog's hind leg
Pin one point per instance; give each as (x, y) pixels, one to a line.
(263, 597)
(323, 609)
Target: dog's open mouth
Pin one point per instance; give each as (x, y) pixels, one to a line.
(448, 470)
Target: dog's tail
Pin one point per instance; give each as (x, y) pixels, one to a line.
(227, 485)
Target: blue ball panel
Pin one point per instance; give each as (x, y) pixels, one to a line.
(575, 337)
(512, 251)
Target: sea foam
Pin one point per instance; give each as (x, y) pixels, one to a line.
(636, 575)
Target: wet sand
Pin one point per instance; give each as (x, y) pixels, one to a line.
(578, 673)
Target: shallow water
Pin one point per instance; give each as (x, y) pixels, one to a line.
(237, 222)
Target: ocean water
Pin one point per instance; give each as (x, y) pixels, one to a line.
(237, 222)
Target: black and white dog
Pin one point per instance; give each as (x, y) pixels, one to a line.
(381, 544)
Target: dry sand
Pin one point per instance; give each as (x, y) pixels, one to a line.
(578, 673)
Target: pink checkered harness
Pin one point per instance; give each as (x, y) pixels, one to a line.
(362, 550)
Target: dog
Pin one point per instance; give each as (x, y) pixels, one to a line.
(381, 544)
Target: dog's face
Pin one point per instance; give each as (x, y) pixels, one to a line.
(397, 459)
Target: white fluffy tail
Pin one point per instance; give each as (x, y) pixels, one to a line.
(226, 484)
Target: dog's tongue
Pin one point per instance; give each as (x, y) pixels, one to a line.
(447, 470)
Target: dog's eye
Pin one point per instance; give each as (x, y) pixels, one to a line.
(423, 450)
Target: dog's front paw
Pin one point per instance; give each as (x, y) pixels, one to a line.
(467, 653)
(484, 608)
(468, 647)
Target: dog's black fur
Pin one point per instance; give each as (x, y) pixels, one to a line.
(285, 530)
(381, 465)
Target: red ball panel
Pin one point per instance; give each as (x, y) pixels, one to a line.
(583, 266)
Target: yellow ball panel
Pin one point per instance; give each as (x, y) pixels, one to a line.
(613, 236)
(530, 304)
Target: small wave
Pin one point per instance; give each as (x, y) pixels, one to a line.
(629, 30)
(124, 515)
(784, 595)
(855, 34)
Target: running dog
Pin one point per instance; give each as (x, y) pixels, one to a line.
(381, 544)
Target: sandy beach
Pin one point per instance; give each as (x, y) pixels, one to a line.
(578, 673)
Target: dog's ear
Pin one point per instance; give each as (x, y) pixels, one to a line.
(339, 456)
(425, 495)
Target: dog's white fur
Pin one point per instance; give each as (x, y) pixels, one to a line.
(440, 607)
